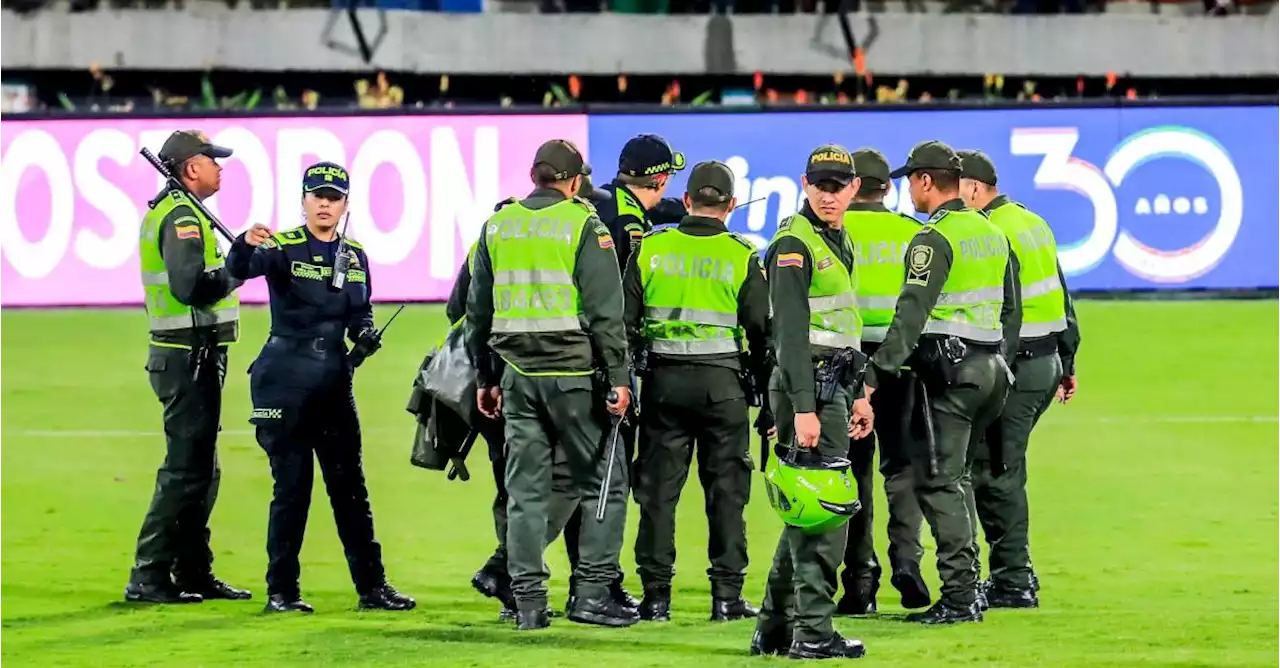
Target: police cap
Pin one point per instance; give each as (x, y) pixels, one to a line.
(562, 156)
(977, 166)
(830, 162)
(928, 155)
(649, 155)
(710, 175)
(185, 144)
(326, 176)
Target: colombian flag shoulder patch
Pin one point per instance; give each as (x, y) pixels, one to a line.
(790, 260)
(605, 241)
(187, 231)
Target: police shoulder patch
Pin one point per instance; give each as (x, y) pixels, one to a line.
(790, 260)
(938, 215)
(786, 224)
(919, 259)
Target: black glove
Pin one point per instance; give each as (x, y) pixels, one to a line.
(668, 210)
(367, 342)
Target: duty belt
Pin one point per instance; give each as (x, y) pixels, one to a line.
(318, 344)
(1039, 347)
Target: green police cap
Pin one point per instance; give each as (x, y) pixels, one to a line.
(928, 155)
(871, 164)
(830, 162)
(713, 175)
(185, 144)
(977, 166)
(563, 157)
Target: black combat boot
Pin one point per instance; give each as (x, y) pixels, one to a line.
(1008, 597)
(161, 592)
(947, 612)
(732, 609)
(496, 585)
(602, 611)
(622, 597)
(774, 641)
(213, 588)
(385, 597)
(859, 599)
(287, 603)
(909, 583)
(532, 619)
(835, 647)
(656, 606)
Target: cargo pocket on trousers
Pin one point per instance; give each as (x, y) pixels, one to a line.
(165, 385)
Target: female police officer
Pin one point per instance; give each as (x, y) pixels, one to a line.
(301, 387)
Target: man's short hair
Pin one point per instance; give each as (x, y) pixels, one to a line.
(642, 181)
(709, 198)
(944, 179)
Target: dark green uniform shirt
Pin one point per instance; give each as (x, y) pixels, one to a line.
(188, 281)
(789, 294)
(595, 273)
(753, 304)
(919, 297)
(1068, 340)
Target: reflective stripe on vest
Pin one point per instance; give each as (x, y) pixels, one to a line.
(973, 294)
(880, 241)
(834, 318)
(532, 254)
(164, 312)
(1044, 310)
(691, 285)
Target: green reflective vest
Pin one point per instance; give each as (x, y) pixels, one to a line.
(880, 241)
(834, 320)
(971, 299)
(691, 286)
(532, 254)
(1044, 309)
(172, 323)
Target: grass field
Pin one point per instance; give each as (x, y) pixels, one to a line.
(1154, 530)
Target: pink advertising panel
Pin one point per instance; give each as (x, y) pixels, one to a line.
(73, 192)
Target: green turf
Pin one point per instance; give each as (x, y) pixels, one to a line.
(1153, 495)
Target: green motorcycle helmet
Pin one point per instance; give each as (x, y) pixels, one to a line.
(809, 491)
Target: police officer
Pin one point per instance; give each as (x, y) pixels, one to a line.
(880, 239)
(301, 387)
(812, 279)
(696, 301)
(546, 298)
(492, 580)
(1044, 365)
(629, 207)
(194, 313)
(956, 319)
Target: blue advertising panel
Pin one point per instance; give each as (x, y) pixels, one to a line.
(1154, 197)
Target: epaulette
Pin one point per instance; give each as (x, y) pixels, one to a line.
(743, 240)
(937, 216)
(353, 243)
(659, 230)
(910, 218)
(585, 202)
(290, 237)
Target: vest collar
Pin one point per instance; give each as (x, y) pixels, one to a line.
(956, 204)
(878, 207)
(549, 193)
(701, 224)
(997, 202)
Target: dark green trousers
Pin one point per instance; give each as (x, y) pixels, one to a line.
(802, 581)
(174, 539)
(690, 408)
(961, 412)
(550, 419)
(905, 519)
(1000, 470)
